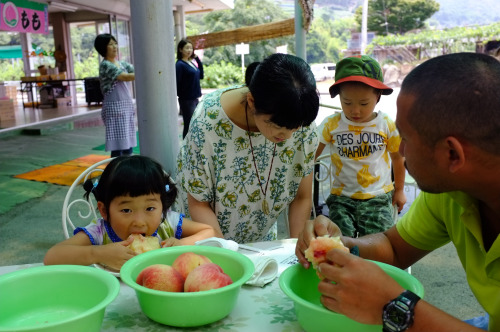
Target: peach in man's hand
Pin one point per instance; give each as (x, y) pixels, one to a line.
(205, 277)
(161, 277)
(188, 261)
(319, 246)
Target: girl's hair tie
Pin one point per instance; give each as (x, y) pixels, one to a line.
(167, 188)
(95, 185)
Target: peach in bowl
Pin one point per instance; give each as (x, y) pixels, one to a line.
(204, 296)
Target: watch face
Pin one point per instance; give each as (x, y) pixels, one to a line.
(395, 317)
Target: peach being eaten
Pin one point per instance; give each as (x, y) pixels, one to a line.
(205, 277)
(161, 277)
(319, 246)
(188, 261)
(144, 243)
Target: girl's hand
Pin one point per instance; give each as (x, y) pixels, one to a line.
(170, 242)
(114, 255)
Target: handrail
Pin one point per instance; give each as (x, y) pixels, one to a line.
(330, 106)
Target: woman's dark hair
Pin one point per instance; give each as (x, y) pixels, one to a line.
(181, 45)
(249, 72)
(132, 176)
(284, 87)
(101, 43)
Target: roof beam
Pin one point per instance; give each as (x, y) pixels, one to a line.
(244, 35)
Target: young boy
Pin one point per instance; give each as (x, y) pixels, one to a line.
(363, 143)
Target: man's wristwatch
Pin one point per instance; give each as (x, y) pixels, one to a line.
(398, 314)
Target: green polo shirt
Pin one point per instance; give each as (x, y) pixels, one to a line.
(435, 219)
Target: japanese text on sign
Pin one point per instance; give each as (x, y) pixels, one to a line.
(24, 16)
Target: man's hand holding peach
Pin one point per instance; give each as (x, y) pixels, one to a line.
(355, 287)
(313, 228)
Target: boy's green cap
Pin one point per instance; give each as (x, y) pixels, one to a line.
(359, 68)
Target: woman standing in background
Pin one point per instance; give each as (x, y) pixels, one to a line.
(188, 74)
(118, 108)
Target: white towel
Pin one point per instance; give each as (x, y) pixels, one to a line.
(218, 242)
(266, 268)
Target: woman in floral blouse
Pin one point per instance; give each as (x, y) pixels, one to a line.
(249, 152)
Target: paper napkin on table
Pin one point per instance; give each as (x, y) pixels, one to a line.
(266, 268)
(218, 242)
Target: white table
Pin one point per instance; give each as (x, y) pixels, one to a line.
(265, 309)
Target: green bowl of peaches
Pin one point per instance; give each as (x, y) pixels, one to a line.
(187, 286)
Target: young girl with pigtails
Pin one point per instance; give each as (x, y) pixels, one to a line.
(134, 196)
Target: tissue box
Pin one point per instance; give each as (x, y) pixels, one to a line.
(7, 109)
(11, 92)
(28, 78)
(63, 102)
(60, 76)
(42, 78)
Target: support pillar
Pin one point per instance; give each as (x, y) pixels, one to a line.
(152, 28)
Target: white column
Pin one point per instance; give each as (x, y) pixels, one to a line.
(300, 32)
(182, 21)
(152, 28)
(177, 24)
(364, 23)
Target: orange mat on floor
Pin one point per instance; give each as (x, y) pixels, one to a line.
(63, 174)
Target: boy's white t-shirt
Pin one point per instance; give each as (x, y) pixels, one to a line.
(361, 164)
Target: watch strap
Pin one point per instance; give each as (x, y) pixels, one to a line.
(405, 302)
(411, 298)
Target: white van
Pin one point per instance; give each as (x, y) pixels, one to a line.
(323, 71)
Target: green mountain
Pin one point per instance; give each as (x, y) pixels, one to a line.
(455, 13)
(452, 13)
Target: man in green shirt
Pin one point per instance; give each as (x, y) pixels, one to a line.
(449, 121)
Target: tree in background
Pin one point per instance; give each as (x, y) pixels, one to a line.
(245, 13)
(43, 45)
(325, 40)
(85, 57)
(88, 67)
(397, 16)
(11, 69)
(221, 75)
(328, 37)
(9, 38)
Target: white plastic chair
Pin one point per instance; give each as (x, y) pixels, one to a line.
(83, 211)
(326, 181)
(411, 183)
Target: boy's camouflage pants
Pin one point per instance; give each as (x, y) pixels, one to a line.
(358, 217)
